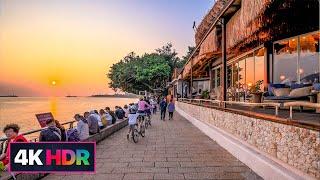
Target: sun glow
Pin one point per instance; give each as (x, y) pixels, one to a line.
(53, 83)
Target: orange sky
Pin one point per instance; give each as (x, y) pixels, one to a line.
(75, 43)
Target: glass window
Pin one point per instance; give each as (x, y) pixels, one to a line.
(218, 77)
(214, 76)
(229, 76)
(259, 65)
(250, 70)
(285, 61)
(309, 58)
(235, 75)
(242, 73)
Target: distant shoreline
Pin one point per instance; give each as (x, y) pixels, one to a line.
(116, 96)
(109, 96)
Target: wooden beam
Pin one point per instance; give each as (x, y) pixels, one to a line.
(224, 62)
(191, 77)
(267, 64)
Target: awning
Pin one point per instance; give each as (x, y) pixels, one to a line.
(187, 69)
(209, 45)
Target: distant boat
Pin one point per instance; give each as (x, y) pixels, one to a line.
(12, 95)
(9, 96)
(71, 96)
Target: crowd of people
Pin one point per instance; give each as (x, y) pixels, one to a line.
(89, 123)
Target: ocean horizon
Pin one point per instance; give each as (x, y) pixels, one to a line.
(22, 110)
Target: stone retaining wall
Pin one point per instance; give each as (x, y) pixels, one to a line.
(297, 147)
(93, 138)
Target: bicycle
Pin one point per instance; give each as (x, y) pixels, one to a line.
(147, 120)
(141, 125)
(135, 134)
(137, 130)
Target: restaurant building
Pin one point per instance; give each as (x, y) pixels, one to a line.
(266, 49)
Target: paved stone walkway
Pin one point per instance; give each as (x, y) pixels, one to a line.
(171, 150)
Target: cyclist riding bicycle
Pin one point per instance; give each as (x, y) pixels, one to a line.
(132, 120)
(148, 108)
(143, 106)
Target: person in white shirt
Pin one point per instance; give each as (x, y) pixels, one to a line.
(153, 103)
(82, 127)
(132, 120)
(109, 118)
(126, 111)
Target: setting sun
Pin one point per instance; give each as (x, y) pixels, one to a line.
(53, 83)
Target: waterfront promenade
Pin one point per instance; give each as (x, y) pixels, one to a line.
(171, 150)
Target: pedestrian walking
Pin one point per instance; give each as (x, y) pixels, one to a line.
(163, 108)
(171, 109)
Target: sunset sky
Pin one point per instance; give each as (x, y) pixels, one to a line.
(60, 47)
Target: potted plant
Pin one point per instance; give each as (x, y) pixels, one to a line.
(205, 94)
(255, 91)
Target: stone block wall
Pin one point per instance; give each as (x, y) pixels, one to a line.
(298, 147)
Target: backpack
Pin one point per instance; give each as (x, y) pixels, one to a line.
(51, 134)
(73, 135)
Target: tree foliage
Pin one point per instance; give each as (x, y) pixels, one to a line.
(150, 71)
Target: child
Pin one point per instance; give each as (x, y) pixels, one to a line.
(171, 109)
(132, 120)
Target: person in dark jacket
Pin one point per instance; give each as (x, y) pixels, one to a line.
(62, 130)
(163, 108)
(119, 113)
(51, 133)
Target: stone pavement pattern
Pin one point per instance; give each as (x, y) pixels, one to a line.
(171, 150)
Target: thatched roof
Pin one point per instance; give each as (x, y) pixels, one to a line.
(256, 22)
(211, 44)
(176, 72)
(259, 21)
(186, 70)
(209, 19)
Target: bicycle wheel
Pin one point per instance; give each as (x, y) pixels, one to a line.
(135, 135)
(142, 130)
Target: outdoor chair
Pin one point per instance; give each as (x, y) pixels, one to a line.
(283, 93)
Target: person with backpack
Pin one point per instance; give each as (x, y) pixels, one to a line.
(51, 133)
(62, 130)
(119, 113)
(82, 127)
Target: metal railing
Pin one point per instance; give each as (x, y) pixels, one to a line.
(3, 140)
(70, 123)
(222, 104)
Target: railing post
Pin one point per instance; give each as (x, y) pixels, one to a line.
(291, 113)
(71, 125)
